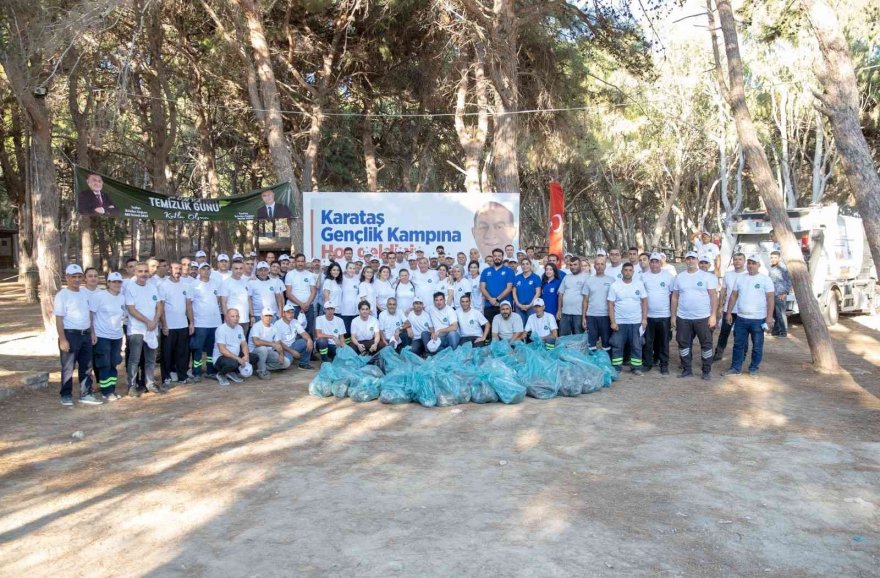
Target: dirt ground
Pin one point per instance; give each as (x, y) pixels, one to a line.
(770, 476)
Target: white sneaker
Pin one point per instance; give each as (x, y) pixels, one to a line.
(234, 376)
(173, 375)
(221, 379)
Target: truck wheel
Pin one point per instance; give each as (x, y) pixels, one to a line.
(832, 308)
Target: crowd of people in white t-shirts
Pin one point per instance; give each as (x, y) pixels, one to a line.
(248, 315)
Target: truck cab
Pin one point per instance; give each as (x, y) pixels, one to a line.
(832, 240)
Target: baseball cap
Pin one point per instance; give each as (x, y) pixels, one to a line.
(601, 253)
(201, 254)
(290, 307)
(656, 257)
(753, 258)
(327, 305)
(267, 311)
(520, 250)
(690, 254)
(416, 300)
(538, 302)
(222, 257)
(246, 370)
(73, 269)
(705, 258)
(114, 276)
(326, 262)
(205, 264)
(505, 304)
(284, 257)
(238, 256)
(262, 265)
(433, 345)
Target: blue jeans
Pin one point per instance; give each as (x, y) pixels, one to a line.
(202, 343)
(299, 345)
(742, 330)
(108, 355)
(450, 339)
(310, 317)
(79, 355)
(780, 323)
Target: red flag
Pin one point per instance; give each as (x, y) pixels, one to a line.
(557, 219)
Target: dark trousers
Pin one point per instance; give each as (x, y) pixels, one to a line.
(108, 355)
(346, 320)
(175, 353)
(627, 334)
(656, 348)
(78, 355)
(724, 334)
(742, 331)
(417, 345)
(202, 344)
(226, 365)
(599, 327)
(326, 348)
(490, 311)
(686, 330)
(571, 325)
(367, 343)
(780, 322)
(310, 317)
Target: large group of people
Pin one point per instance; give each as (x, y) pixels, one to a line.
(253, 315)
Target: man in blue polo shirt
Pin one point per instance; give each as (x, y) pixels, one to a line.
(496, 285)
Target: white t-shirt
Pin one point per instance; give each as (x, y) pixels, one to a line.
(462, 287)
(334, 291)
(693, 293)
(290, 332)
(729, 283)
(263, 294)
(540, 326)
(206, 309)
(145, 299)
(571, 288)
(426, 284)
(109, 310)
(419, 323)
(670, 268)
(470, 323)
(364, 330)
(231, 337)
(389, 323)
(477, 299)
(709, 249)
(260, 331)
(236, 293)
(596, 288)
(366, 292)
(627, 299)
(442, 318)
(74, 307)
(334, 327)
(752, 291)
(300, 283)
(615, 272)
(174, 296)
(505, 328)
(383, 290)
(405, 294)
(659, 288)
(348, 301)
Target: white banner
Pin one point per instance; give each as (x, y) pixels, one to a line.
(372, 223)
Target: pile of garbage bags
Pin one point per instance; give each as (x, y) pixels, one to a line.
(497, 373)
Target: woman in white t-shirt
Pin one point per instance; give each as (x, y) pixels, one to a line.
(444, 282)
(460, 286)
(365, 336)
(331, 288)
(383, 288)
(473, 276)
(405, 292)
(366, 290)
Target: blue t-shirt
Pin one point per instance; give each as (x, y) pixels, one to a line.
(550, 295)
(496, 281)
(526, 287)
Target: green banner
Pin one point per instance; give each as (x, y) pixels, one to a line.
(101, 196)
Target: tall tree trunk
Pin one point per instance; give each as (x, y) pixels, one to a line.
(81, 124)
(369, 151)
(505, 70)
(19, 195)
(472, 137)
(840, 103)
(663, 218)
(818, 338)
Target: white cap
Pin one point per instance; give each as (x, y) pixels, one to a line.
(262, 265)
(329, 305)
(267, 311)
(433, 345)
(505, 304)
(114, 276)
(73, 269)
(201, 254)
(290, 307)
(656, 256)
(284, 257)
(411, 257)
(246, 370)
(417, 299)
(705, 258)
(690, 254)
(601, 253)
(538, 302)
(205, 264)
(520, 250)
(753, 257)
(237, 255)
(222, 257)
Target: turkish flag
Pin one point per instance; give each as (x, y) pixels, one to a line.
(557, 219)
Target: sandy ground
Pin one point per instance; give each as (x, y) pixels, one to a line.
(769, 476)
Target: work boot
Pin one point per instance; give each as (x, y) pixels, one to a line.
(686, 373)
(133, 391)
(719, 355)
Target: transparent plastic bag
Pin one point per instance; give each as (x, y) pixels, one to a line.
(321, 385)
(395, 388)
(503, 381)
(345, 356)
(366, 390)
(339, 388)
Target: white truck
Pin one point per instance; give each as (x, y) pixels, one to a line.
(834, 245)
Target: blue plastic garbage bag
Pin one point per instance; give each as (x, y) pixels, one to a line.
(323, 380)
(482, 392)
(500, 349)
(395, 388)
(446, 389)
(393, 360)
(575, 342)
(346, 357)
(365, 390)
(503, 381)
(591, 376)
(422, 388)
(568, 379)
(600, 357)
(371, 371)
(339, 388)
(407, 355)
(537, 372)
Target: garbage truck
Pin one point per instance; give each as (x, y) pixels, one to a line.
(834, 246)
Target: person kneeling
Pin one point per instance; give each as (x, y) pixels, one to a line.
(472, 324)
(329, 332)
(444, 326)
(295, 342)
(232, 359)
(265, 342)
(394, 325)
(365, 336)
(542, 327)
